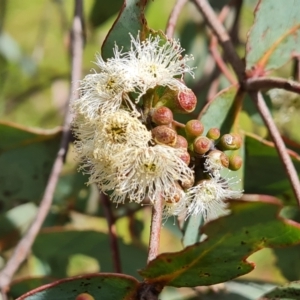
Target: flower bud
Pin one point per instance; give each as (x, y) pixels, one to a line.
(193, 129)
(84, 296)
(185, 156)
(213, 133)
(187, 183)
(187, 101)
(177, 197)
(163, 134)
(235, 162)
(202, 144)
(181, 142)
(218, 159)
(183, 102)
(231, 141)
(162, 115)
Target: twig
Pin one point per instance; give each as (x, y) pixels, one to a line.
(3, 295)
(234, 31)
(22, 249)
(219, 60)
(174, 17)
(264, 83)
(112, 233)
(296, 69)
(155, 229)
(222, 35)
(279, 144)
(214, 50)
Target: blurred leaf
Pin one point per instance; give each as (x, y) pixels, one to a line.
(264, 172)
(290, 291)
(100, 286)
(218, 4)
(56, 246)
(26, 159)
(131, 19)
(272, 43)
(288, 259)
(103, 10)
(9, 48)
(72, 190)
(230, 241)
(250, 108)
(14, 223)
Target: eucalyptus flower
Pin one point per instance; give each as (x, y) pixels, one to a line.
(156, 62)
(208, 196)
(149, 172)
(121, 128)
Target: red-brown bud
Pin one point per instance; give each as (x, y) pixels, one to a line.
(202, 144)
(185, 156)
(164, 135)
(181, 142)
(182, 102)
(162, 115)
(193, 129)
(187, 101)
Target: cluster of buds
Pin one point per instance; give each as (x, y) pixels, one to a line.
(127, 139)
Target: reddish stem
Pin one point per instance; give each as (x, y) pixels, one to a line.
(174, 17)
(156, 222)
(112, 232)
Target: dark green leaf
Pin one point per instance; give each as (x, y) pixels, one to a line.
(102, 10)
(26, 159)
(290, 291)
(288, 259)
(264, 172)
(131, 19)
(222, 256)
(14, 223)
(100, 286)
(20, 287)
(56, 246)
(274, 37)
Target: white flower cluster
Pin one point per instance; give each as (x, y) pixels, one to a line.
(116, 147)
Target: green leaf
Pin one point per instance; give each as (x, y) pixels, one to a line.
(222, 256)
(220, 112)
(56, 246)
(100, 286)
(264, 172)
(274, 37)
(290, 291)
(26, 159)
(131, 19)
(14, 223)
(103, 10)
(288, 259)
